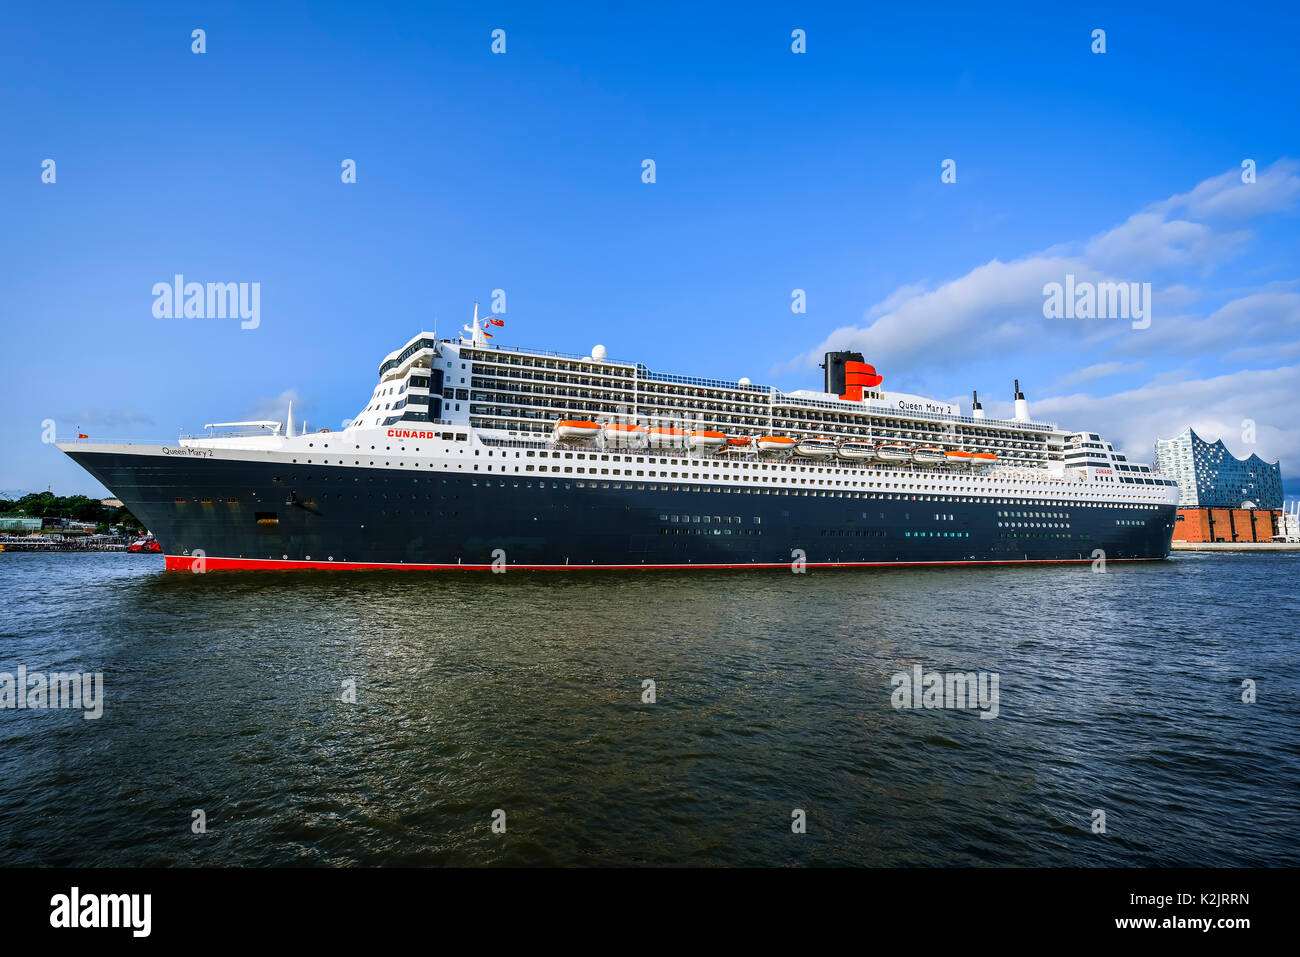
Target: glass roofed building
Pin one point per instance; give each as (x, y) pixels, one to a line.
(1208, 475)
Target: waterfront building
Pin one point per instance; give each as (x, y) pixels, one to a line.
(1209, 476)
(20, 524)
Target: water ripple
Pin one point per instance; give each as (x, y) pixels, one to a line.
(523, 693)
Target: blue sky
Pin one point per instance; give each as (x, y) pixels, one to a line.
(775, 171)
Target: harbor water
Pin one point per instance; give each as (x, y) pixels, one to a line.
(391, 718)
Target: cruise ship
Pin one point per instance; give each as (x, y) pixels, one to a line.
(473, 455)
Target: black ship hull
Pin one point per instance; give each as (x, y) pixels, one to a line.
(229, 513)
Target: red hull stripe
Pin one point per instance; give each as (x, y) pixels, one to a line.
(183, 563)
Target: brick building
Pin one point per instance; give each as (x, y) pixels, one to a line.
(1227, 524)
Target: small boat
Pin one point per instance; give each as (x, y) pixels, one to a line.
(957, 457)
(736, 443)
(146, 545)
(983, 458)
(774, 443)
(575, 430)
(701, 439)
(858, 451)
(928, 455)
(665, 438)
(818, 448)
(894, 452)
(624, 434)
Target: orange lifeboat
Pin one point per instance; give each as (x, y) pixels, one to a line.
(983, 458)
(774, 443)
(957, 457)
(704, 440)
(737, 442)
(894, 452)
(857, 451)
(575, 430)
(665, 438)
(816, 448)
(624, 433)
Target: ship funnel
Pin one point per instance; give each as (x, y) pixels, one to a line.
(847, 376)
(1022, 407)
(836, 374)
(976, 410)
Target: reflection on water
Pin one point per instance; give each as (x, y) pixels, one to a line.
(523, 692)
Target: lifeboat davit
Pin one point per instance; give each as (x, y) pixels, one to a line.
(858, 451)
(704, 440)
(665, 438)
(622, 433)
(893, 452)
(958, 457)
(575, 430)
(983, 458)
(815, 448)
(774, 443)
(928, 455)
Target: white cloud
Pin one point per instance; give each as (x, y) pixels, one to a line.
(1100, 370)
(1215, 407)
(1260, 323)
(277, 408)
(1148, 241)
(1177, 296)
(896, 298)
(1226, 197)
(990, 301)
(996, 309)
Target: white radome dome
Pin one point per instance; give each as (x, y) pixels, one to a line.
(744, 380)
(598, 353)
